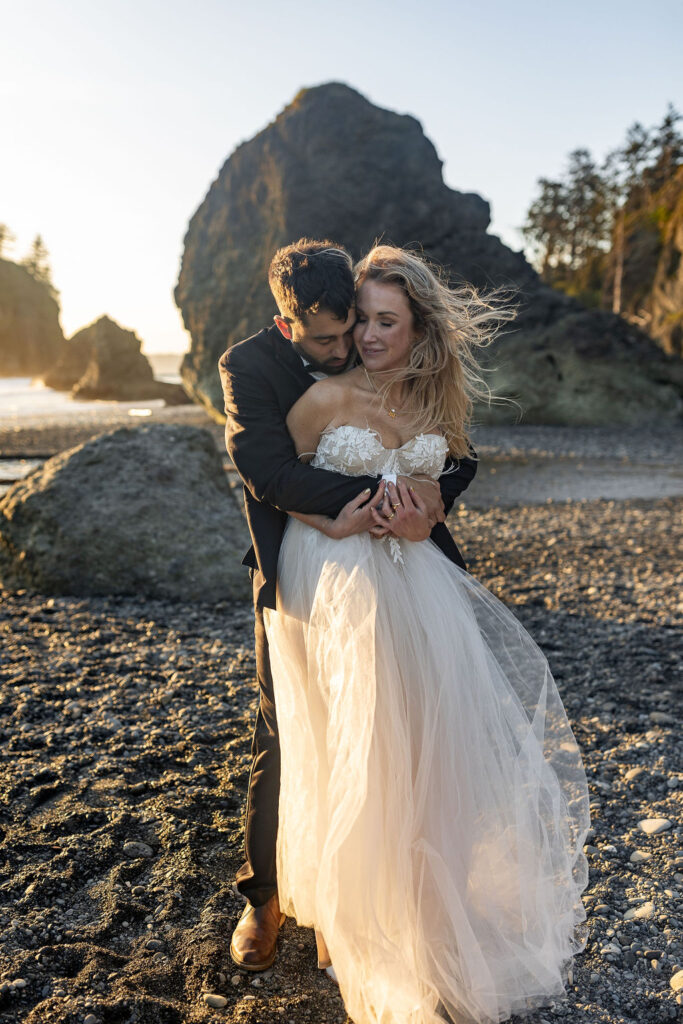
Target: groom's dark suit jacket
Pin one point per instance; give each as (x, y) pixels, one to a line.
(262, 378)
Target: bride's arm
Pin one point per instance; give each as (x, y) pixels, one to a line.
(353, 518)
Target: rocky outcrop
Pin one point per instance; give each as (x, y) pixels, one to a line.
(72, 363)
(567, 372)
(332, 164)
(116, 369)
(652, 284)
(666, 299)
(31, 338)
(145, 511)
(105, 361)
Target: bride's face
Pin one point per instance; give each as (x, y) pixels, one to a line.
(385, 328)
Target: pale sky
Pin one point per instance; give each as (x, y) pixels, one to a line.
(115, 117)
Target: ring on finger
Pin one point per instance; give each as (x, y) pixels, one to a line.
(396, 504)
(391, 516)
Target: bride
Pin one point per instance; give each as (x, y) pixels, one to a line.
(433, 800)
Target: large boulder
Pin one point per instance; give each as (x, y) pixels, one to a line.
(146, 510)
(31, 338)
(334, 165)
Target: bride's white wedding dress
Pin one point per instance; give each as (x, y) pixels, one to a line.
(433, 800)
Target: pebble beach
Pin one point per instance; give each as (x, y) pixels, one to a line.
(125, 728)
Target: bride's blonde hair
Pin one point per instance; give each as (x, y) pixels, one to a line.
(443, 376)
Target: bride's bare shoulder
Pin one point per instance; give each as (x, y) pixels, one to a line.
(330, 393)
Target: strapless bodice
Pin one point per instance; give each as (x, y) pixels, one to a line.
(357, 451)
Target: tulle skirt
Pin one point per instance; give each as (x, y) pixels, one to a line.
(433, 800)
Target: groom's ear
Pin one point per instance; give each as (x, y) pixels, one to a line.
(283, 327)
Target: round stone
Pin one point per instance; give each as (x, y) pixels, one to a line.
(645, 912)
(653, 826)
(214, 1000)
(133, 848)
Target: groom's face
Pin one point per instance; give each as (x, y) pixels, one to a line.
(324, 340)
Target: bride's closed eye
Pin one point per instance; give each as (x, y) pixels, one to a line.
(383, 323)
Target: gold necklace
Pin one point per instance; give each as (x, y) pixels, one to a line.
(390, 410)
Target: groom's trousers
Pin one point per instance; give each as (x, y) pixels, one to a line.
(256, 879)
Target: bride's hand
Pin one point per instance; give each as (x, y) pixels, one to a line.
(407, 516)
(357, 515)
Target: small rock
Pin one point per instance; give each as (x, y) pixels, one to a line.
(235, 980)
(18, 983)
(213, 999)
(653, 826)
(90, 1019)
(133, 848)
(662, 718)
(633, 773)
(138, 890)
(645, 912)
(640, 857)
(676, 981)
(154, 944)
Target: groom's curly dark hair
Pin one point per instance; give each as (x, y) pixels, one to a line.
(309, 276)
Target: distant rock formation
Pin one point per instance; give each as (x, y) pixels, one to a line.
(104, 360)
(72, 363)
(145, 511)
(667, 290)
(30, 336)
(334, 165)
(652, 287)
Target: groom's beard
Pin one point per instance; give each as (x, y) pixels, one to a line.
(332, 367)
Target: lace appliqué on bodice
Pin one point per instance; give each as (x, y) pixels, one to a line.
(358, 451)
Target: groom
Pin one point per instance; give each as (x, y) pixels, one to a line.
(262, 378)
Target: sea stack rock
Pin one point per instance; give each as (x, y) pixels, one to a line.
(145, 511)
(104, 360)
(72, 363)
(116, 368)
(334, 165)
(31, 338)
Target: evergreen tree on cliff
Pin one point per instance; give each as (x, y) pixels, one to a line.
(38, 266)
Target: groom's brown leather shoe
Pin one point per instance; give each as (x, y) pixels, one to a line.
(254, 940)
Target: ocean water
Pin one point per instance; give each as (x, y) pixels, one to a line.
(25, 397)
